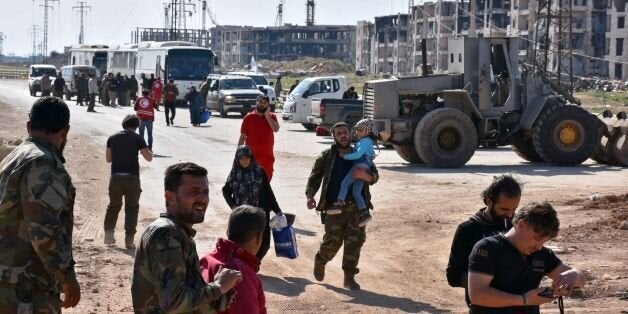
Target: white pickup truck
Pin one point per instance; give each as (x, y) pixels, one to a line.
(298, 105)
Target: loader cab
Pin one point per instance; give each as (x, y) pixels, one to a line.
(491, 74)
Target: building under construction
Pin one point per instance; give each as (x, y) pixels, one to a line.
(592, 32)
(235, 45)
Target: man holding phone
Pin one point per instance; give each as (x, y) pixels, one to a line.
(505, 270)
(257, 131)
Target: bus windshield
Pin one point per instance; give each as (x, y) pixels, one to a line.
(189, 64)
(100, 61)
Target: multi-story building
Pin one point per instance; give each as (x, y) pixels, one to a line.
(596, 39)
(364, 46)
(235, 45)
(617, 37)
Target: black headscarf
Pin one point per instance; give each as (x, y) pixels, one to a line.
(246, 183)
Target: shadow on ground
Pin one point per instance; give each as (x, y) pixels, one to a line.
(529, 169)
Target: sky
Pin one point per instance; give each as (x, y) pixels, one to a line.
(111, 21)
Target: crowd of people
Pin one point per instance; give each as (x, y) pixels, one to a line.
(497, 256)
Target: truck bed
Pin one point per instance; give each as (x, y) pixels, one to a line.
(327, 112)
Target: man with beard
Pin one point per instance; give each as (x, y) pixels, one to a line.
(58, 86)
(166, 271)
(331, 169)
(257, 132)
(36, 217)
(501, 199)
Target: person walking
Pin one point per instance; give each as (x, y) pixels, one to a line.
(133, 87)
(204, 90)
(257, 131)
(145, 85)
(82, 88)
(113, 87)
(330, 169)
(104, 90)
(144, 109)
(505, 271)
(156, 89)
(58, 86)
(193, 99)
(122, 150)
(36, 215)
(166, 271)
(237, 251)
(122, 89)
(278, 87)
(248, 184)
(170, 93)
(45, 85)
(501, 198)
(92, 86)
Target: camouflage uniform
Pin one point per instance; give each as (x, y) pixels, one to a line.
(36, 221)
(166, 273)
(338, 228)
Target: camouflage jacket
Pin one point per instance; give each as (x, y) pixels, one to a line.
(322, 172)
(166, 272)
(36, 217)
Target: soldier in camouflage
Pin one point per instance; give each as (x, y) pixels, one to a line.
(36, 217)
(330, 169)
(166, 272)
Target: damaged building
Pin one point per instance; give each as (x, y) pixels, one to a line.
(598, 35)
(235, 45)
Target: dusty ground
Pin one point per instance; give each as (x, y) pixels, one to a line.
(403, 260)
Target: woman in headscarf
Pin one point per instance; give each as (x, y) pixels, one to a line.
(247, 184)
(194, 99)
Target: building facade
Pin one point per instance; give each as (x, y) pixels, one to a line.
(236, 45)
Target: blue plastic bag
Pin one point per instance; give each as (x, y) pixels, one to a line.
(204, 115)
(284, 238)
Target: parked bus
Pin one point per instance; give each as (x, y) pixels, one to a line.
(122, 59)
(94, 55)
(183, 62)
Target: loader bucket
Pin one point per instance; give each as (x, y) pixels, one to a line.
(613, 148)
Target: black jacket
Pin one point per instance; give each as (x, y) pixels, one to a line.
(267, 200)
(468, 233)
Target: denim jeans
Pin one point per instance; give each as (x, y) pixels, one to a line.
(356, 185)
(149, 127)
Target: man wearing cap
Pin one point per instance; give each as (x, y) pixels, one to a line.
(257, 132)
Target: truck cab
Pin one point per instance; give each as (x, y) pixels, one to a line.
(36, 72)
(261, 82)
(298, 105)
(232, 93)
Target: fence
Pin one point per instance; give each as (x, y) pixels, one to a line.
(13, 73)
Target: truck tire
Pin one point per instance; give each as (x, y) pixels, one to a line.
(565, 135)
(445, 138)
(522, 146)
(309, 126)
(408, 153)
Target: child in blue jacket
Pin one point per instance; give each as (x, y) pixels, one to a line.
(363, 155)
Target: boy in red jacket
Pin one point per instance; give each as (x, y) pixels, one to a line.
(156, 91)
(144, 109)
(246, 226)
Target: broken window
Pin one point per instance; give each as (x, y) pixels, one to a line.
(620, 21)
(619, 48)
(618, 71)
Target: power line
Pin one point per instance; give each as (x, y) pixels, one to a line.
(81, 7)
(33, 32)
(47, 5)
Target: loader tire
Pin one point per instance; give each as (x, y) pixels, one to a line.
(522, 146)
(408, 153)
(445, 138)
(565, 135)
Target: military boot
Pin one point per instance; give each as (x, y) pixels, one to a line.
(319, 270)
(129, 242)
(350, 282)
(109, 239)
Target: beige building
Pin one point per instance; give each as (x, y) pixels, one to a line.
(617, 36)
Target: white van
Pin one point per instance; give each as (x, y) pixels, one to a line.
(298, 105)
(36, 72)
(71, 72)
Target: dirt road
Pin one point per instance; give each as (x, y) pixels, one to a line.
(403, 261)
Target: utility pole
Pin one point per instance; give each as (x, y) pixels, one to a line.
(33, 32)
(81, 7)
(47, 5)
(204, 14)
(3, 37)
(309, 6)
(279, 17)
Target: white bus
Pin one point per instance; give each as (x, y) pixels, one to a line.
(94, 55)
(183, 62)
(122, 59)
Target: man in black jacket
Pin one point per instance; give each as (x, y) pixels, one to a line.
(501, 199)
